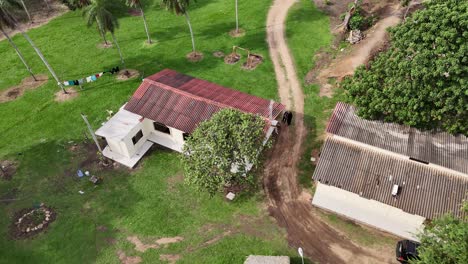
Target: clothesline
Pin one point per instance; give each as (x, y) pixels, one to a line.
(91, 78)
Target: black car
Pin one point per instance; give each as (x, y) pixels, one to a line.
(406, 250)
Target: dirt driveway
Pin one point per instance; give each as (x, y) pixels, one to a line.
(286, 201)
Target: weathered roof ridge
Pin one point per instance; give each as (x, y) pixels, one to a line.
(434, 147)
(193, 96)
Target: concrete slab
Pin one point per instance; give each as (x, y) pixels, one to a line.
(129, 162)
(370, 212)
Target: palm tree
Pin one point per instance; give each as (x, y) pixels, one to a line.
(237, 19)
(98, 12)
(8, 21)
(137, 4)
(179, 7)
(26, 10)
(6, 14)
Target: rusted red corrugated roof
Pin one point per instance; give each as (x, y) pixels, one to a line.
(182, 102)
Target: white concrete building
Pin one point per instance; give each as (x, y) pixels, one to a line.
(167, 107)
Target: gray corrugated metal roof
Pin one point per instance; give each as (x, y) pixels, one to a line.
(426, 191)
(438, 148)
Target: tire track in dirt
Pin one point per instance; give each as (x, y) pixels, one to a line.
(286, 201)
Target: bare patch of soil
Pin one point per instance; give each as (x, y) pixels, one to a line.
(174, 180)
(253, 60)
(93, 159)
(232, 58)
(63, 97)
(169, 258)
(29, 222)
(104, 45)
(27, 83)
(140, 246)
(169, 240)
(40, 16)
(195, 56)
(218, 54)
(127, 74)
(7, 169)
(102, 228)
(237, 33)
(124, 259)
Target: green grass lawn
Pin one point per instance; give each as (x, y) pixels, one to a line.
(150, 202)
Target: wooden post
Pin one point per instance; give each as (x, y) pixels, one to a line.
(92, 132)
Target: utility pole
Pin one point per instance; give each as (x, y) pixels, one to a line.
(91, 132)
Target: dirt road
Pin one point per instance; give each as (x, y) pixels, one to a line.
(287, 202)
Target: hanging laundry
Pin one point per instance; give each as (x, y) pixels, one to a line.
(113, 70)
(80, 81)
(93, 78)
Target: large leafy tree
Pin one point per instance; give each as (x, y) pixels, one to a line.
(8, 21)
(444, 241)
(421, 80)
(221, 150)
(137, 4)
(99, 11)
(180, 7)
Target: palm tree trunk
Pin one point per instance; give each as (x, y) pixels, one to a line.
(407, 9)
(118, 48)
(47, 4)
(27, 12)
(19, 54)
(146, 25)
(44, 61)
(190, 27)
(237, 19)
(103, 34)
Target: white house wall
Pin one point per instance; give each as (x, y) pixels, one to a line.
(174, 141)
(132, 149)
(370, 212)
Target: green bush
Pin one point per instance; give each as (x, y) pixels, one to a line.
(356, 22)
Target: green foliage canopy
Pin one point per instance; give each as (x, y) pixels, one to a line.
(421, 80)
(229, 138)
(444, 241)
(98, 11)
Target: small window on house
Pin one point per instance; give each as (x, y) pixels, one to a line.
(137, 137)
(186, 136)
(161, 128)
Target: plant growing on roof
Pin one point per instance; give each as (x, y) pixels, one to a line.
(8, 20)
(180, 7)
(137, 4)
(230, 139)
(99, 11)
(421, 80)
